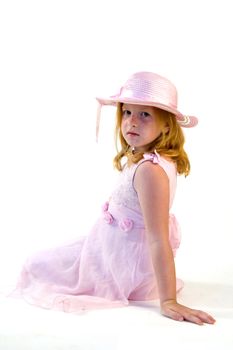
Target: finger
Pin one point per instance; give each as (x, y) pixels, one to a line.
(173, 314)
(185, 313)
(194, 319)
(204, 317)
(198, 317)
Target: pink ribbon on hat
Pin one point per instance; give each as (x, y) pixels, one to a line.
(98, 121)
(98, 116)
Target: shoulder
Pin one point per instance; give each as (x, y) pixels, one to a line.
(162, 162)
(149, 174)
(151, 166)
(152, 186)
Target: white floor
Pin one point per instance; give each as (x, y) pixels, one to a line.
(25, 327)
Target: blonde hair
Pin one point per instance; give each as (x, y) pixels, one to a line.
(170, 143)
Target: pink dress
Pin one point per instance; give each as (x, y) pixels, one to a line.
(111, 265)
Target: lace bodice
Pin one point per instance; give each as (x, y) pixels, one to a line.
(124, 193)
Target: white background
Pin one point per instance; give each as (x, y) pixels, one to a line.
(56, 56)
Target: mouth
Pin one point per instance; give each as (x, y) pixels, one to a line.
(131, 133)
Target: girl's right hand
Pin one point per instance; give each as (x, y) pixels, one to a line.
(179, 312)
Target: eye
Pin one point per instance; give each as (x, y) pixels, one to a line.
(144, 115)
(126, 113)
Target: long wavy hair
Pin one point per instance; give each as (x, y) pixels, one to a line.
(170, 143)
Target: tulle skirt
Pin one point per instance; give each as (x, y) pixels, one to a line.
(107, 268)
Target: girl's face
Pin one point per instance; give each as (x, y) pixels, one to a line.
(140, 125)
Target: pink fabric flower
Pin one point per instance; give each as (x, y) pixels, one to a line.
(108, 217)
(126, 225)
(105, 206)
(154, 157)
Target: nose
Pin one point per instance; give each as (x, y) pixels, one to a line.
(134, 119)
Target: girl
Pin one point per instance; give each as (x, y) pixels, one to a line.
(129, 253)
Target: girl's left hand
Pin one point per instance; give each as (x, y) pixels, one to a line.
(178, 312)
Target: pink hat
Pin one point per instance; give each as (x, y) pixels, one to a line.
(149, 89)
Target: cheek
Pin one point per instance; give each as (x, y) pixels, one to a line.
(123, 125)
(155, 131)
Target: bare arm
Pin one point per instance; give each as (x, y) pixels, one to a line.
(152, 186)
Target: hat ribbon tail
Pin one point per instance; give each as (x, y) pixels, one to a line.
(98, 115)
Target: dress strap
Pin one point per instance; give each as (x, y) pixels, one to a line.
(153, 157)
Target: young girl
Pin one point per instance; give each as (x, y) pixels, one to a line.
(129, 253)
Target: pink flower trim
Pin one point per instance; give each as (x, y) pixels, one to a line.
(108, 217)
(105, 206)
(154, 157)
(126, 225)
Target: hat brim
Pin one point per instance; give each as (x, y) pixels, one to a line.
(183, 120)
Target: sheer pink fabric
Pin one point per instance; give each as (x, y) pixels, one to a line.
(107, 268)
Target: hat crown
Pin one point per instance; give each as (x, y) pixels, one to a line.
(150, 88)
